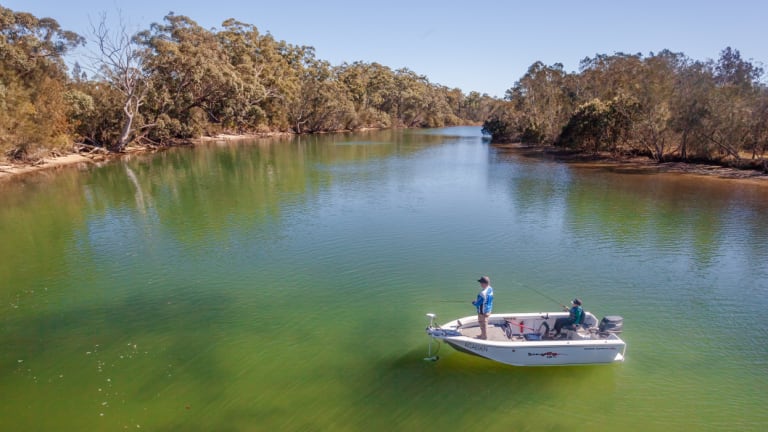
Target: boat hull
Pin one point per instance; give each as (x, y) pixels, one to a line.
(543, 353)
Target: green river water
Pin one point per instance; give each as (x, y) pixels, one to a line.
(282, 284)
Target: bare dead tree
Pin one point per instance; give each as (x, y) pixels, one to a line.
(120, 61)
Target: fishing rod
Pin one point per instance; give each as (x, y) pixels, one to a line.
(557, 302)
(545, 296)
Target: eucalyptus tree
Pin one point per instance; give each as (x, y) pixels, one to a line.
(438, 111)
(321, 103)
(279, 78)
(759, 131)
(193, 78)
(409, 98)
(599, 125)
(732, 70)
(120, 63)
(735, 106)
(455, 100)
(478, 107)
(355, 78)
(33, 82)
(381, 88)
(504, 126)
(541, 96)
(447, 105)
(727, 128)
(587, 128)
(690, 108)
(470, 107)
(654, 85)
(244, 47)
(368, 85)
(33, 48)
(606, 76)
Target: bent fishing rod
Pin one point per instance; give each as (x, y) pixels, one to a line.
(524, 286)
(544, 295)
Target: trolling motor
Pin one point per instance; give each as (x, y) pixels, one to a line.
(437, 332)
(430, 328)
(431, 317)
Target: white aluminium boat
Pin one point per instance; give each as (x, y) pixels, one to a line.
(524, 339)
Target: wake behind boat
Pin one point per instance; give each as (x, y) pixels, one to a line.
(524, 339)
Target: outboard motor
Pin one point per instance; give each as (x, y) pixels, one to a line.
(611, 324)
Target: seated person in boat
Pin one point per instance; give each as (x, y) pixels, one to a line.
(575, 317)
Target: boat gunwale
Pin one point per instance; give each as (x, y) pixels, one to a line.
(612, 339)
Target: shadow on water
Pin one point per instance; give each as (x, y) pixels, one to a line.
(173, 331)
(444, 391)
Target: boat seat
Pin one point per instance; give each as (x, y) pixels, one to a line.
(582, 330)
(589, 322)
(585, 324)
(578, 334)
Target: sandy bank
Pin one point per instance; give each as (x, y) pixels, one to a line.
(8, 170)
(635, 164)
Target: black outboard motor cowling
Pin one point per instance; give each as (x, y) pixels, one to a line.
(611, 324)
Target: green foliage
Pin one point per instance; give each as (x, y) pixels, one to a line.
(97, 112)
(181, 81)
(500, 129)
(33, 114)
(33, 46)
(245, 81)
(587, 127)
(543, 95)
(599, 126)
(177, 80)
(504, 125)
(664, 105)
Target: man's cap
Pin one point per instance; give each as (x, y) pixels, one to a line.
(576, 301)
(484, 279)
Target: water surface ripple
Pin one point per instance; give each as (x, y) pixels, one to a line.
(282, 285)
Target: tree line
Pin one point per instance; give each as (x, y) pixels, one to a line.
(177, 80)
(665, 106)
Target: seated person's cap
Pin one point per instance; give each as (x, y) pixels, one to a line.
(576, 301)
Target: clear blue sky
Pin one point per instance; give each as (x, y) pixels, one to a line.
(478, 45)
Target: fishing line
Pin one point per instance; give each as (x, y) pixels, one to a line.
(543, 295)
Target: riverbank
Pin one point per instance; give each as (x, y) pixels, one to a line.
(83, 157)
(634, 164)
(9, 170)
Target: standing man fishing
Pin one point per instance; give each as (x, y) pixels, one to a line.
(484, 305)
